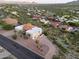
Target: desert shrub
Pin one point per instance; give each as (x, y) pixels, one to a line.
(14, 36)
(56, 57)
(8, 58)
(64, 50)
(7, 27)
(73, 23)
(45, 33)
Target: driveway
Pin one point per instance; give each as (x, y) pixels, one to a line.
(19, 51)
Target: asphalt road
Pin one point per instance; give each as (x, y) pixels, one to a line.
(17, 50)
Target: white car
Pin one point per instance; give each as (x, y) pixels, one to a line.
(1, 49)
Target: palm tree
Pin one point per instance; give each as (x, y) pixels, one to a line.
(38, 43)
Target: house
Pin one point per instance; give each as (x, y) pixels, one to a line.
(29, 14)
(14, 12)
(34, 33)
(73, 20)
(68, 28)
(10, 21)
(30, 29)
(44, 21)
(62, 19)
(63, 26)
(36, 16)
(50, 18)
(44, 17)
(24, 27)
(56, 24)
(43, 10)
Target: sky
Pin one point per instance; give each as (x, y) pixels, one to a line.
(44, 1)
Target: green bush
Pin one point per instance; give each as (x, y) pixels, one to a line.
(7, 27)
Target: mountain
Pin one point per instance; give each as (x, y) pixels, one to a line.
(74, 2)
(16, 2)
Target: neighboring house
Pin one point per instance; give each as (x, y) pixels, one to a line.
(10, 21)
(44, 21)
(14, 12)
(51, 18)
(73, 20)
(43, 10)
(29, 14)
(36, 16)
(62, 19)
(73, 29)
(44, 17)
(56, 24)
(63, 26)
(68, 28)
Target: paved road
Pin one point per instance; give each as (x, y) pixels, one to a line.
(19, 51)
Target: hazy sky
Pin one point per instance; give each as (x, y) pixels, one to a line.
(44, 1)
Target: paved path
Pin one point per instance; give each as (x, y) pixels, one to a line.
(19, 51)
